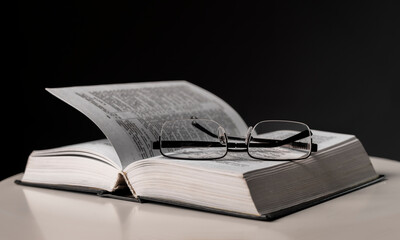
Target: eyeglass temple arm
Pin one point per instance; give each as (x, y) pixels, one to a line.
(292, 139)
(233, 145)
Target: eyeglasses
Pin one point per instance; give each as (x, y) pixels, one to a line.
(204, 139)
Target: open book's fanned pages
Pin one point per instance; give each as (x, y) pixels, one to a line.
(125, 166)
(270, 216)
(263, 190)
(304, 205)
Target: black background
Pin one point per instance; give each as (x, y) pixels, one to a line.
(333, 66)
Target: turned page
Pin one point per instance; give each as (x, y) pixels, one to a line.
(131, 115)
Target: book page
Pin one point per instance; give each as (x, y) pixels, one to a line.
(327, 140)
(101, 150)
(131, 115)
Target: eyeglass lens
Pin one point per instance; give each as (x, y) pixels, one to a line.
(193, 139)
(280, 140)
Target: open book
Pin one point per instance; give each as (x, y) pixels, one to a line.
(126, 166)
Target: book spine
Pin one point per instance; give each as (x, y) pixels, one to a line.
(129, 184)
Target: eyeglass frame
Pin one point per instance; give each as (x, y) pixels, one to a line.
(239, 147)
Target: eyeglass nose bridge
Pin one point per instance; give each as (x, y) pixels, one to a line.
(248, 134)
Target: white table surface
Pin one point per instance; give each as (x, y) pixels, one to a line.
(35, 213)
